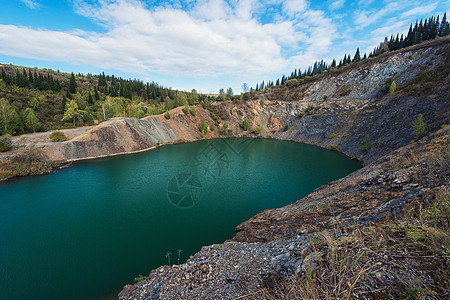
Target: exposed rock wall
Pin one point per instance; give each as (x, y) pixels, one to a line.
(344, 107)
(278, 242)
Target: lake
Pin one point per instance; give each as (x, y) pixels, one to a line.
(85, 231)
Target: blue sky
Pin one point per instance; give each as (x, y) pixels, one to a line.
(204, 44)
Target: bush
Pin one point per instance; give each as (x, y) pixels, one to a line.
(204, 127)
(5, 143)
(392, 88)
(300, 115)
(211, 127)
(256, 130)
(194, 111)
(224, 129)
(58, 136)
(388, 83)
(186, 108)
(167, 115)
(286, 127)
(309, 109)
(332, 135)
(366, 144)
(68, 126)
(245, 124)
(30, 161)
(419, 127)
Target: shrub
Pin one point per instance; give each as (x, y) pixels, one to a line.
(286, 127)
(58, 136)
(419, 127)
(5, 143)
(224, 129)
(392, 88)
(30, 161)
(204, 127)
(309, 109)
(68, 126)
(256, 130)
(332, 135)
(167, 115)
(205, 104)
(186, 108)
(194, 111)
(211, 127)
(300, 115)
(388, 83)
(366, 144)
(245, 124)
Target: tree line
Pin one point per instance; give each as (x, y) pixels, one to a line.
(421, 31)
(38, 100)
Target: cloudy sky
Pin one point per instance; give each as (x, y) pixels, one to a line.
(204, 44)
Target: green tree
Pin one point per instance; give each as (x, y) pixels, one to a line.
(204, 126)
(357, 56)
(229, 93)
(167, 115)
(194, 110)
(186, 108)
(224, 129)
(30, 119)
(366, 144)
(72, 112)
(193, 97)
(419, 127)
(9, 119)
(5, 143)
(72, 84)
(221, 96)
(245, 124)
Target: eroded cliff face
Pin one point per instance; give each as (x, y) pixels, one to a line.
(336, 112)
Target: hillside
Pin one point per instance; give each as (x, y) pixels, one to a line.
(389, 218)
(39, 99)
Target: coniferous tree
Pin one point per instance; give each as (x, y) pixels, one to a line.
(72, 84)
(357, 56)
(444, 29)
(30, 119)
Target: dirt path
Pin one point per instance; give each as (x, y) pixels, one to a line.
(42, 137)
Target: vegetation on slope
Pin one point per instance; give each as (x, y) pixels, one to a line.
(406, 255)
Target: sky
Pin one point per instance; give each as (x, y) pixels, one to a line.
(198, 44)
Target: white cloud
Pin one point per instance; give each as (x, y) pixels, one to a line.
(210, 40)
(33, 4)
(425, 9)
(292, 7)
(337, 4)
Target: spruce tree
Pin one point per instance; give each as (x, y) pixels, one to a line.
(72, 84)
(357, 56)
(444, 29)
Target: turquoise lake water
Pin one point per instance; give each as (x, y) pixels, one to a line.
(86, 231)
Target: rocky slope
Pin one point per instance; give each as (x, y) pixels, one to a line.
(282, 243)
(334, 111)
(288, 241)
(338, 110)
